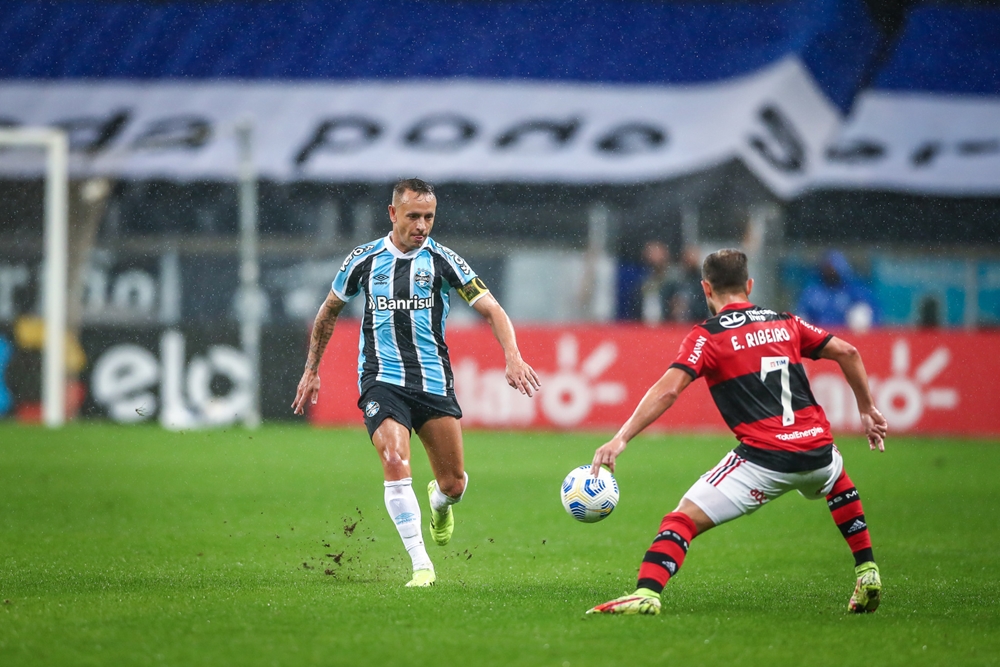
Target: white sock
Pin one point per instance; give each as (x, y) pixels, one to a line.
(405, 514)
(441, 502)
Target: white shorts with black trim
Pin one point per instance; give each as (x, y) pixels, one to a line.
(736, 486)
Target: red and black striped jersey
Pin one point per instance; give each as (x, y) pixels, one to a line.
(751, 359)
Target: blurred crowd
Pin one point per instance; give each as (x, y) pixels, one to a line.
(667, 290)
(662, 290)
(836, 297)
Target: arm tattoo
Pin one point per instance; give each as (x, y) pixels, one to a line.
(326, 319)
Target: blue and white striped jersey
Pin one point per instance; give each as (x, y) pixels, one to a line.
(406, 305)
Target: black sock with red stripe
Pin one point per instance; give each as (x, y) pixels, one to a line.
(666, 554)
(845, 506)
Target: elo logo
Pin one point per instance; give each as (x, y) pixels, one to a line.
(125, 378)
(732, 320)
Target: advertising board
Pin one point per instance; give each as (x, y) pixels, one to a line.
(593, 377)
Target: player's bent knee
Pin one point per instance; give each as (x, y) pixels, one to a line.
(392, 460)
(701, 519)
(394, 465)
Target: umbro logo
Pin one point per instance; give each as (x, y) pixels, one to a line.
(381, 279)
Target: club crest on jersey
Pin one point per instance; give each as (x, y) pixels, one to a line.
(371, 409)
(422, 277)
(732, 320)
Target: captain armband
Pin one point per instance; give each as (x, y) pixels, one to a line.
(473, 290)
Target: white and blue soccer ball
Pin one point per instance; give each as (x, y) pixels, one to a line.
(588, 499)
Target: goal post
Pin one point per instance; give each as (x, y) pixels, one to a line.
(251, 299)
(56, 146)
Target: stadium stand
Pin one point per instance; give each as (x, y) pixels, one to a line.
(946, 49)
(951, 51)
(587, 40)
(942, 49)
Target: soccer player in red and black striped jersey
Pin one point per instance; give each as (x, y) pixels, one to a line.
(751, 359)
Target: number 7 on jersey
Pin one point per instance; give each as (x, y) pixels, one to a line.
(769, 364)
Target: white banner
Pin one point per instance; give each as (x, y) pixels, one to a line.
(776, 121)
(934, 144)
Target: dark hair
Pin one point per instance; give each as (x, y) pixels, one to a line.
(412, 185)
(726, 271)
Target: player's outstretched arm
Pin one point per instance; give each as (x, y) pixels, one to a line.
(849, 360)
(326, 319)
(657, 400)
(520, 375)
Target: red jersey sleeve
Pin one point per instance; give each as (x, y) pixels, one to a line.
(812, 339)
(693, 353)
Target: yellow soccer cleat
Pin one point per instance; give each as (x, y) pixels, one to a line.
(643, 601)
(422, 579)
(868, 591)
(442, 523)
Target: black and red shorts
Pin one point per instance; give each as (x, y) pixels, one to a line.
(410, 408)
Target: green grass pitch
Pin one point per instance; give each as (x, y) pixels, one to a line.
(135, 546)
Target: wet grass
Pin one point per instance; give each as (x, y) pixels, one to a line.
(135, 546)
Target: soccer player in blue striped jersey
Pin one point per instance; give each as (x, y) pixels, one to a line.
(404, 373)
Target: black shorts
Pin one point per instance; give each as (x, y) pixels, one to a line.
(410, 408)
